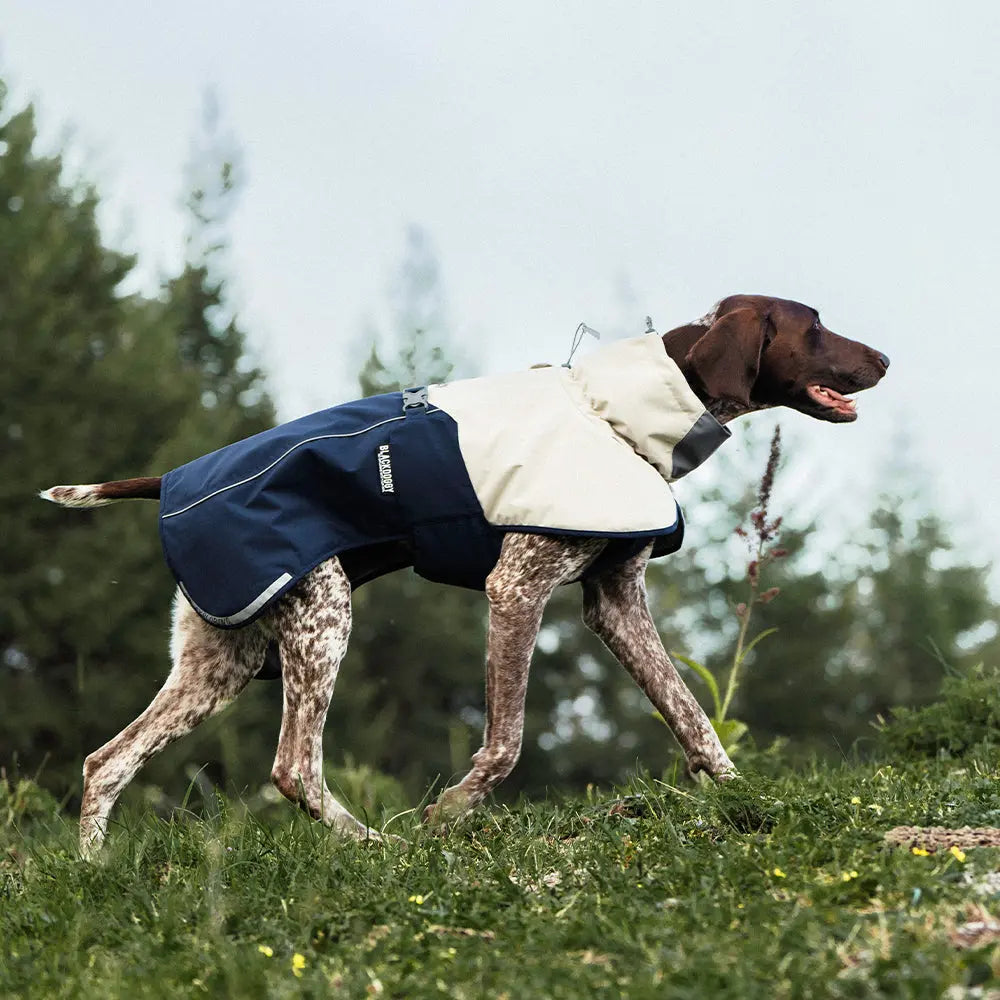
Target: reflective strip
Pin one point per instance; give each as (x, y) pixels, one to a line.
(257, 475)
(705, 436)
(249, 611)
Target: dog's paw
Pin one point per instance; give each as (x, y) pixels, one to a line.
(711, 764)
(451, 805)
(347, 826)
(377, 837)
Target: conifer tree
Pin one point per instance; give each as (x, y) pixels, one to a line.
(210, 340)
(94, 388)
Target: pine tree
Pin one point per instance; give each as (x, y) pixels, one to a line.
(210, 340)
(94, 388)
(418, 344)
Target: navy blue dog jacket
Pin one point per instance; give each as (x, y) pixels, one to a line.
(447, 471)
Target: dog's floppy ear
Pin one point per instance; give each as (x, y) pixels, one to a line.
(726, 359)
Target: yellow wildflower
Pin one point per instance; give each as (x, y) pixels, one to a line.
(778, 873)
(298, 964)
(847, 876)
(920, 852)
(957, 853)
(855, 801)
(266, 950)
(418, 899)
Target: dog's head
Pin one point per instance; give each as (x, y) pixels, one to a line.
(753, 351)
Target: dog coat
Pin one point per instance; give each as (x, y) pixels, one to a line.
(587, 451)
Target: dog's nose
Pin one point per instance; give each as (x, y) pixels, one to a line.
(884, 358)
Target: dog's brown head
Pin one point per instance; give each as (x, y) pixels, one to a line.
(753, 351)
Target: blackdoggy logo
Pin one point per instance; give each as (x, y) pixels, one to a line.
(385, 468)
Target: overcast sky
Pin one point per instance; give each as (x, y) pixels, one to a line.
(573, 162)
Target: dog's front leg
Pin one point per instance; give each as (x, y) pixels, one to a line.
(530, 567)
(615, 608)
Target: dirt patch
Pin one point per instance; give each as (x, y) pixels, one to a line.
(941, 838)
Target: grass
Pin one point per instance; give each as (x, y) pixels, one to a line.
(765, 887)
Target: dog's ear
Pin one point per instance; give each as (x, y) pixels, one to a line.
(726, 358)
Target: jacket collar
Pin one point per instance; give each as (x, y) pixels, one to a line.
(637, 388)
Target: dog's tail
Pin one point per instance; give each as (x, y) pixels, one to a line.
(101, 494)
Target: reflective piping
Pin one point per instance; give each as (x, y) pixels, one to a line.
(257, 475)
(248, 612)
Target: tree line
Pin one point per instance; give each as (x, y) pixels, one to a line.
(98, 383)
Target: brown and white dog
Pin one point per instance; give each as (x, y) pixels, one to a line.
(749, 353)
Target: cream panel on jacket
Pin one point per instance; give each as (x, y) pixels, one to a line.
(588, 449)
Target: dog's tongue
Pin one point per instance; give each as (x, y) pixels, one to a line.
(830, 397)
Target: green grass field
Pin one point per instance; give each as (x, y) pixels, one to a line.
(770, 886)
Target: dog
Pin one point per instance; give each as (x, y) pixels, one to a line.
(749, 353)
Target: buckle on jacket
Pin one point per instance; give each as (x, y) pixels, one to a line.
(415, 399)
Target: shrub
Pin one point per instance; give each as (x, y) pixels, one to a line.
(22, 801)
(966, 715)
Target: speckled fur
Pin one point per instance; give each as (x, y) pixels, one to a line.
(615, 609)
(312, 625)
(210, 668)
(529, 569)
(312, 622)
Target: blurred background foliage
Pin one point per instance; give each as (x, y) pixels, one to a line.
(98, 383)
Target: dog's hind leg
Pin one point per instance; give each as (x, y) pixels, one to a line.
(615, 609)
(313, 624)
(210, 668)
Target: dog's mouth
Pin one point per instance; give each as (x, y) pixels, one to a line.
(833, 405)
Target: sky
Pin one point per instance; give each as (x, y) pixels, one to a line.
(590, 162)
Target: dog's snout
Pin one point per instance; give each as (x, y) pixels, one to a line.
(884, 358)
